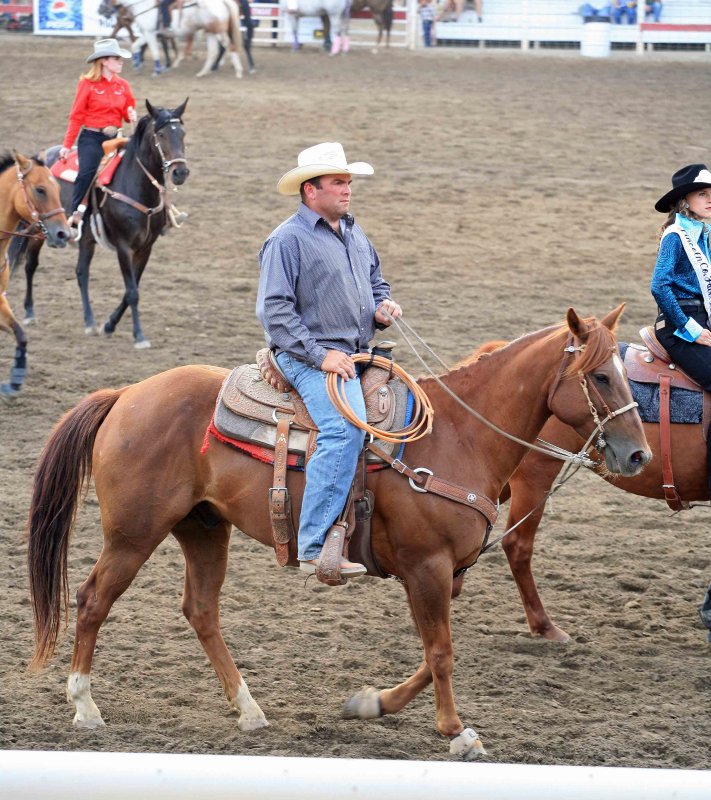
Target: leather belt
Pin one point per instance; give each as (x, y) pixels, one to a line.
(109, 130)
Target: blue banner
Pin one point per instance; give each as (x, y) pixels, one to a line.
(60, 15)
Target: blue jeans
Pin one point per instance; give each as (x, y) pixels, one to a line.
(427, 32)
(330, 471)
(628, 11)
(90, 154)
(656, 10)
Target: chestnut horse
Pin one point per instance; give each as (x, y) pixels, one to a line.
(534, 477)
(142, 443)
(28, 193)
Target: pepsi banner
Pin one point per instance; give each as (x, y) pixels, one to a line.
(70, 18)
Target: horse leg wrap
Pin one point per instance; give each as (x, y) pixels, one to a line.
(346, 42)
(336, 46)
(328, 569)
(467, 745)
(19, 370)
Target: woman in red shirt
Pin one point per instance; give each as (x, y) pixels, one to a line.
(102, 101)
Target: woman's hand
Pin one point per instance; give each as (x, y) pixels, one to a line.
(704, 338)
(64, 153)
(131, 113)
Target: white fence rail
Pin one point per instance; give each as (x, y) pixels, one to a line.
(48, 775)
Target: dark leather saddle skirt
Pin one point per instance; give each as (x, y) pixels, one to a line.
(248, 408)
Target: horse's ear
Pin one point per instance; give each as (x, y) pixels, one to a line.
(610, 320)
(150, 108)
(22, 162)
(576, 325)
(180, 110)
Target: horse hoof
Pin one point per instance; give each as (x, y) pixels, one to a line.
(364, 704)
(91, 330)
(467, 745)
(7, 392)
(89, 723)
(252, 70)
(30, 320)
(144, 344)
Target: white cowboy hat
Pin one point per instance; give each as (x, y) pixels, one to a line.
(105, 48)
(326, 158)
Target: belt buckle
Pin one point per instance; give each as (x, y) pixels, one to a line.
(111, 131)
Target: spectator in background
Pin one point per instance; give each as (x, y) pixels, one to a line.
(427, 15)
(588, 10)
(624, 8)
(654, 8)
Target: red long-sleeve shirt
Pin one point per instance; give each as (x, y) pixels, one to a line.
(98, 104)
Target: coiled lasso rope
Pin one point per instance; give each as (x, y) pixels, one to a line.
(422, 412)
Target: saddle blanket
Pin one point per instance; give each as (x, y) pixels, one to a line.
(685, 406)
(69, 169)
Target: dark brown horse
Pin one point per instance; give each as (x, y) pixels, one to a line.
(133, 213)
(382, 12)
(143, 444)
(528, 486)
(29, 194)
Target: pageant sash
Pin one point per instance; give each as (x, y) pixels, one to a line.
(698, 261)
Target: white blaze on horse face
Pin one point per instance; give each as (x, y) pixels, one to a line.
(619, 366)
(79, 693)
(251, 716)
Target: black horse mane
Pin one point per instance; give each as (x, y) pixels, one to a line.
(162, 117)
(7, 160)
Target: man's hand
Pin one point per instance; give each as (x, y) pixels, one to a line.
(392, 308)
(704, 338)
(339, 362)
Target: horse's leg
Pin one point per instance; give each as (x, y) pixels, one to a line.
(429, 589)
(31, 264)
(152, 41)
(9, 324)
(294, 22)
(132, 267)
(529, 485)
(212, 50)
(235, 53)
(206, 551)
(121, 558)
(86, 253)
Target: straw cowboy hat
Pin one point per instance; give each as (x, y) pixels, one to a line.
(105, 48)
(326, 158)
(687, 179)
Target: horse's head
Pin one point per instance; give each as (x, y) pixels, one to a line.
(37, 200)
(169, 140)
(591, 393)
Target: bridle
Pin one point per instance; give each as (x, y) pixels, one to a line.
(37, 219)
(166, 165)
(576, 349)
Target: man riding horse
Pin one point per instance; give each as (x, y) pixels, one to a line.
(321, 296)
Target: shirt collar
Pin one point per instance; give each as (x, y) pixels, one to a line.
(693, 227)
(312, 218)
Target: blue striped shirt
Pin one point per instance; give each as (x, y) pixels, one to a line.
(318, 290)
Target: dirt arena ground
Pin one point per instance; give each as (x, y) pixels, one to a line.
(506, 188)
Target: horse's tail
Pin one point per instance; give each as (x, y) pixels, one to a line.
(17, 249)
(388, 17)
(64, 467)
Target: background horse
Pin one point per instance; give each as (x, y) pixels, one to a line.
(145, 16)
(333, 13)
(133, 212)
(382, 11)
(143, 445)
(28, 193)
(220, 21)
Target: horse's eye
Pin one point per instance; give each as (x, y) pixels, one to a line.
(41, 191)
(600, 377)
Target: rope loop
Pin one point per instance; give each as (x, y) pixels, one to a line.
(422, 413)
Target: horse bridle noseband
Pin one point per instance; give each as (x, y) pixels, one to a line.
(37, 218)
(599, 430)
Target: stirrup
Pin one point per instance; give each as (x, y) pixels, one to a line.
(176, 218)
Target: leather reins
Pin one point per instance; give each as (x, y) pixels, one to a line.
(166, 165)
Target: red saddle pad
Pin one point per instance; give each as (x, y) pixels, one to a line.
(67, 170)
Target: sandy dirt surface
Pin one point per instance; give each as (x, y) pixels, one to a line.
(507, 188)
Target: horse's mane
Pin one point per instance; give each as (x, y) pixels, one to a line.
(7, 160)
(135, 141)
(600, 343)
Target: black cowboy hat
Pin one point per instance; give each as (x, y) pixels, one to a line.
(687, 179)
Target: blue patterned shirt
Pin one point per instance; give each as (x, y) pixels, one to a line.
(674, 279)
(318, 290)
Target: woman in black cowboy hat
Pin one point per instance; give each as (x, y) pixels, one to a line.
(681, 283)
(681, 286)
(103, 100)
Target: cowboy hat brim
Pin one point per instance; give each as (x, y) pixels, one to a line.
(290, 182)
(119, 51)
(665, 204)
